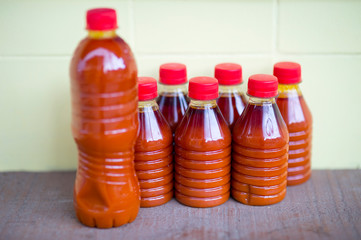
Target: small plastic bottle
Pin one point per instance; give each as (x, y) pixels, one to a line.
(203, 149)
(260, 146)
(231, 99)
(103, 76)
(298, 119)
(153, 149)
(172, 98)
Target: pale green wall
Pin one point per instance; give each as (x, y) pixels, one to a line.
(38, 37)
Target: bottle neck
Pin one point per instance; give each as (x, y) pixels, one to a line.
(173, 89)
(148, 106)
(289, 90)
(102, 34)
(261, 101)
(203, 104)
(230, 88)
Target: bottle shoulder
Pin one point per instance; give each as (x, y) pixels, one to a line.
(261, 127)
(104, 66)
(154, 131)
(173, 99)
(111, 54)
(173, 108)
(295, 113)
(115, 44)
(203, 130)
(232, 103)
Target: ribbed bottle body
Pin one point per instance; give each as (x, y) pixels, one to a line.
(260, 153)
(298, 119)
(203, 156)
(104, 125)
(154, 156)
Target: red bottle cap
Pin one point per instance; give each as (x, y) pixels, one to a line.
(263, 86)
(228, 73)
(287, 72)
(203, 88)
(147, 88)
(173, 73)
(100, 19)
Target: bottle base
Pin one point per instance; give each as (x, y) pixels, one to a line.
(298, 179)
(257, 200)
(202, 202)
(106, 219)
(258, 190)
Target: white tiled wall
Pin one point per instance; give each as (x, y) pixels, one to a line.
(35, 124)
(38, 37)
(319, 26)
(49, 28)
(202, 26)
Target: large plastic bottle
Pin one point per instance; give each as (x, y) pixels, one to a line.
(298, 118)
(260, 146)
(172, 98)
(153, 149)
(104, 124)
(231, 99)
(203, 149)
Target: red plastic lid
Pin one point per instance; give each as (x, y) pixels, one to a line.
(101, 19)
(173, 73)
(287, 72)
(147, 88)
(228, 73)
(262, 85)
(203, 88)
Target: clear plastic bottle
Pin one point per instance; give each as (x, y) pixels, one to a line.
(260, 146)
(231, 99)
(153, 149)
(104, 124)
(298, 119)
(203, 149)
(172, 98)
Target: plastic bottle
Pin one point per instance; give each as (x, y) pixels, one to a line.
(203, 148)
(260, 146)
(172, 98)
(298, 119)
(153, 149)
(104, 124)
(231, 99)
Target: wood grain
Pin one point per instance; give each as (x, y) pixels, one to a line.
(39, 206)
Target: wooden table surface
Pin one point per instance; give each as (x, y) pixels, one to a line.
(39, 206)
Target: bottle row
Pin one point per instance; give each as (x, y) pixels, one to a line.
(223, 145)
(201, 147)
